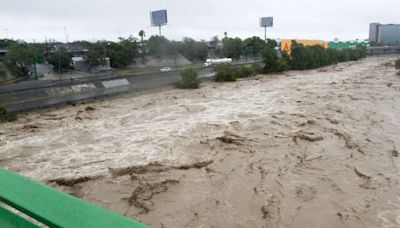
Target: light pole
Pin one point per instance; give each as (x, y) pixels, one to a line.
(105, 55)
(59, 62)
(59, 65)
(34, 64)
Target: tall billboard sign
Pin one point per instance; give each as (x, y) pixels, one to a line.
(266, 22)
(158, 18)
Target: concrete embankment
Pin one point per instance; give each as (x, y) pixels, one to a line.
(39, 94)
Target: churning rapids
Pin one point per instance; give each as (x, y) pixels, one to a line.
(316, 148)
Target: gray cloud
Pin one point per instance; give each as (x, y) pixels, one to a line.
(107, 19)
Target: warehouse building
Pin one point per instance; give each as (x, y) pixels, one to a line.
(388, 34)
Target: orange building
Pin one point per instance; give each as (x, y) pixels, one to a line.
(286, 44)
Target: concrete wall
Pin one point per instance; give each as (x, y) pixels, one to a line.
(27, 98)
(30, 95)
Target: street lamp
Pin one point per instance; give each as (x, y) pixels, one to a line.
(105, 54)
(59, 61)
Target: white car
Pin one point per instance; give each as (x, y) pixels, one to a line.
(165, 69)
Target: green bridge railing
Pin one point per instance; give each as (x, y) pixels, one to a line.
(51, 207)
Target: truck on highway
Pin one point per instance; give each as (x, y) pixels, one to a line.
(213, 62)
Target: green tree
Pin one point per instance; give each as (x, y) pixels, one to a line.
(271, 61)
(96, 54)
(124, 52)
(21, 57)
(232, 47)
(142, 34)
(4, 43)
(192, 49)
(158, 46)
(120, 53)
(254, 46)
(61, 60)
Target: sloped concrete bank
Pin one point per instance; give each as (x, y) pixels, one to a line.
(35, 95)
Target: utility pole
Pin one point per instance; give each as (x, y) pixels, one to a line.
(34, 64)
(59, 61)
(265, 33)
(107, 63)
(66, 35)
(59, 64)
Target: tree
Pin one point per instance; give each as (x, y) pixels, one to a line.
(142, 34)
(192, 49)
(61, 60)
(95, 56)
(272, 63)
(120, 53)
(157, 45)
(125, 52)
(4, 43)
(254, 46)
(232, 47)
(20, 58)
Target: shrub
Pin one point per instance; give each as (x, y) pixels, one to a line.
(398, 64)
(6, 116)
(257, 68)
(189, 79)
(244, 71)
(310, 57)
(282, 65)
(225, 73)
(249, 70)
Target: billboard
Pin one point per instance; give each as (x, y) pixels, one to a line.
(158, 18)
(266, 21)
(286, 44)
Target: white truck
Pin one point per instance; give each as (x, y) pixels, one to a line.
(212, 62)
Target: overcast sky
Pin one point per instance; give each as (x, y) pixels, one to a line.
(199, 19)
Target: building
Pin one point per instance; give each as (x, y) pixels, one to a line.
(388, 34)
(78, 63)
(286, 44)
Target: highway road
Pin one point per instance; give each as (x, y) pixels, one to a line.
(29, 95)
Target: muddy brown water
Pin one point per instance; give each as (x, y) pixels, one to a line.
(315, 148)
